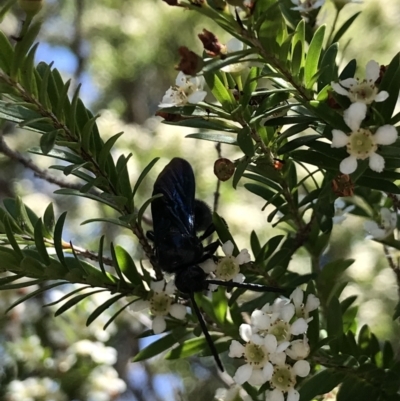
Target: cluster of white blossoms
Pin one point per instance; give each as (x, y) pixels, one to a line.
(161, 305)
(387, 226)
(276, 346)
(187, 89)
(362, 143)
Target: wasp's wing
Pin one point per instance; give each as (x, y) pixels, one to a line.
(176, 207)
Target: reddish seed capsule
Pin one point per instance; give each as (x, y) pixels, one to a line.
(278, 164)
(224, 169)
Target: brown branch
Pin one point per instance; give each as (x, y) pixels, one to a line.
(38, 172)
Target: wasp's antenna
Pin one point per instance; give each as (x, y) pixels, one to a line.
(205, 332)
(248, 286)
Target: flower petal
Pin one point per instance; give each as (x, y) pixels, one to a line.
(228, 248)
(260, 320)
(268, 370)
(275, 395)
(376, 162)
(243, 374)
(278, 358)
(348, 82)
(381, 96)
(339, 139)
(348, 165)
(287, 312)
(372, 71)
(270, 343)
(236, 349)
(170, 287)
(339, 89)
(297, 297)
(301, 368)
(312, 303)
(243, 257)
(372, 228)
(385, 135)
(354, 115)
(208, 266)
(299, 327)
(177, 311)
(245, 332)
(293, 395)
(234, 45)
(389, 219)
(197, 97)
(239, 278)
(157, 286)
(159, 324)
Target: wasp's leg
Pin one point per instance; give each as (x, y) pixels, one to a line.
(150, 235)
(202, 215)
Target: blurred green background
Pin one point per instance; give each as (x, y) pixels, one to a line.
(124, 52)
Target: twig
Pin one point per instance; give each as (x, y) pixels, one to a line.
(217, 190)
(42, 174)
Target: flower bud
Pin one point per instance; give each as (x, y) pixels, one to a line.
(31, 7)
(211, 44)
(190, 63)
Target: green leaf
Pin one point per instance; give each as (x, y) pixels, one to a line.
(313, 55)
(116, 264)
(107, 220)
(391, 84)
(22, 47)
(162, 344)
(6, 53)
(58, 241)
(220, 92)
(34, 293)
(379, 184)
(220, 305)
(103, 307)
(250, 86)
(105, 151)
(145, 206)
(320, 383)
(11, 238)
(143, 175)
(239, 171)
(223, 232)
(329, 67)
(193, 346)
(296, 143)
(39, 242)
(127, 265)
(214, 137)
(343, 29)
(245, 141)
(48, 222)
(86, 134)
(48, 140)
(72, 302)
(115, 202)
(334, 324)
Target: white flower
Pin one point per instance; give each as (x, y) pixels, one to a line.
(187, 89)
(228, 267)
(305, 6)
(234, 393)
(361, 143)
(103, 384)
(302, 309)
(387, 226)
(341, 211)
(298, 349)
(259, 353)
(160, 305)
(95, 350)
(234, 45)
(364, 91)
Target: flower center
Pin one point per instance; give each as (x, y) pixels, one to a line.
(255, 355)
(227, 268)
(364, 92)
(281, 330)
(361, 144)
(160, 304)
(283, 378)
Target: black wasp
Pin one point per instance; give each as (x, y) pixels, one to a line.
(177, 217)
